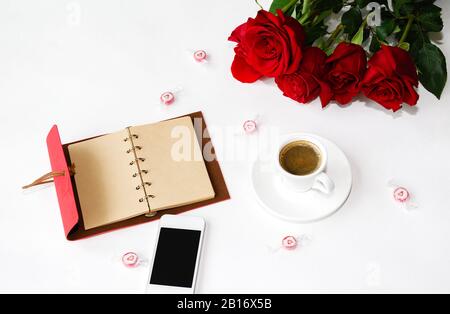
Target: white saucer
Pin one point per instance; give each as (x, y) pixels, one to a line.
(303, 207)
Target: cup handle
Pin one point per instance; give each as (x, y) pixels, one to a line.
(323, 183)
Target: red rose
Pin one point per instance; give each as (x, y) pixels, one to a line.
(268, 45)
(348, 65)
(306, 84)
(391, 78)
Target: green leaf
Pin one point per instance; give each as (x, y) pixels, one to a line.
(325, 5)
(352, 21)
(405, 46)
(315, 32)
(338, 6)
(358, 39)
(432, 69)
(363, 3)
(375, 45)
(298, 10)
(403, 7)
(430, 19)
(280, 4)
(322, 16)
(417, 39)
(386, 29)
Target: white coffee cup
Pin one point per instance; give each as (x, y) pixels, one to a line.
(318, 180)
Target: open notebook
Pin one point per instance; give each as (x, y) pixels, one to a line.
(139, 171)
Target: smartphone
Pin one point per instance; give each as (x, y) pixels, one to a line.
(177, 255)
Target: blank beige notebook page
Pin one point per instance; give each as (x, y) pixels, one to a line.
(110, 182)
(105, 185)
(173, 158)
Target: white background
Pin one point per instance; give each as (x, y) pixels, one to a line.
(94, 67)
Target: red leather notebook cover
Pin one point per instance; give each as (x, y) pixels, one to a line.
(63, 185)
(67, 192)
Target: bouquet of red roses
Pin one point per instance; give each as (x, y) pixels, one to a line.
(379, 48)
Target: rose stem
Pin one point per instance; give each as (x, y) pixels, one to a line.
(306, 12)
(407, 29)
(289, 5)
(304, 18)
(306, 7)
(334, 35)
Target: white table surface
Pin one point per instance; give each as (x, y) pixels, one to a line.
(94, 66)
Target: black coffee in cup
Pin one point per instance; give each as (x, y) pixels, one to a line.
(300, 158)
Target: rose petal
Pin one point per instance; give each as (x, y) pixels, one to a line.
(404, 64)
(243, 72)
(313, 60)
(326, 94)
(238, 33)
(270, 45)
(383, 61)
(411, 97)
(345, 99)
(343, 50)
(296, 27)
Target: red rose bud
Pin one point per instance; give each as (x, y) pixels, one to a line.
(306, 84)
(391, 78)
(348, 65)
(269, 45)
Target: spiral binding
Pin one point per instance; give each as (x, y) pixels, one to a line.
(140, 172)
(134, 149)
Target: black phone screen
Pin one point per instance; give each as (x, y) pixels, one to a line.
(175, 257)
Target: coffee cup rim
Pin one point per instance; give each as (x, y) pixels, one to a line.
(288, 138)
